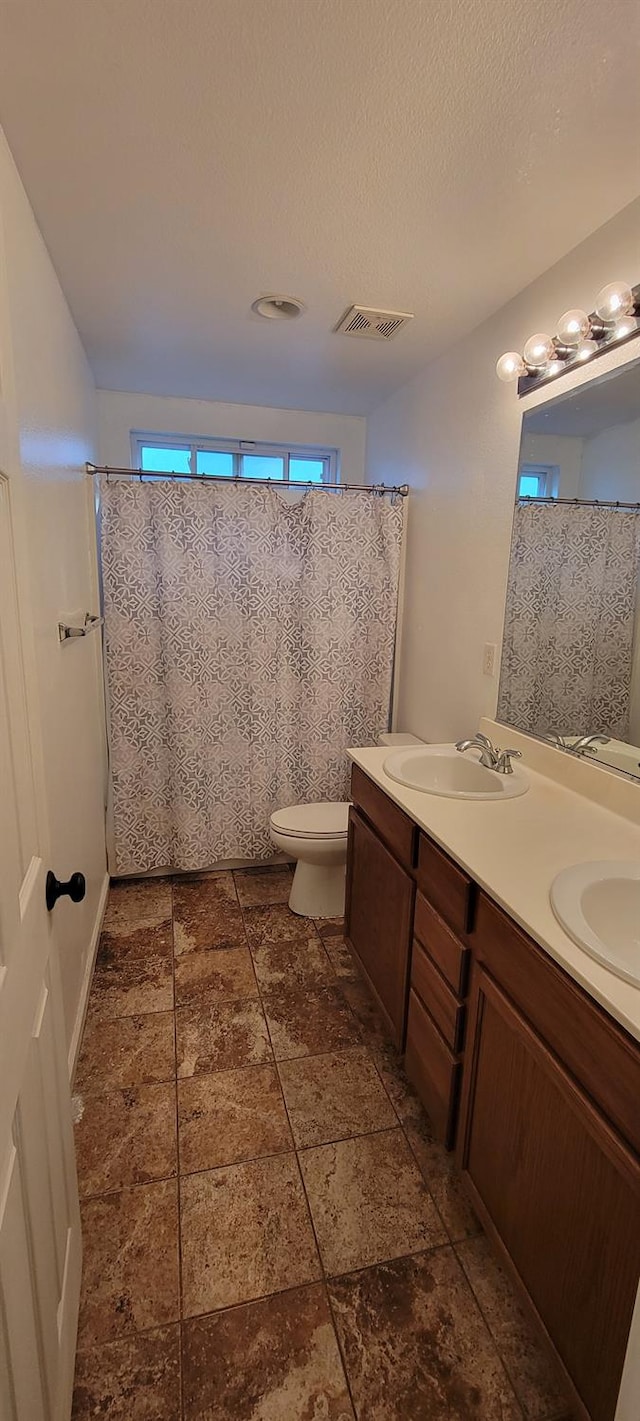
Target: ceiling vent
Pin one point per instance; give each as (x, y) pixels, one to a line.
(363, 321)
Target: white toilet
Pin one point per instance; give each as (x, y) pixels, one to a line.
(315, 835)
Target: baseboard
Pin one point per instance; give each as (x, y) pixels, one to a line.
(76, 1035)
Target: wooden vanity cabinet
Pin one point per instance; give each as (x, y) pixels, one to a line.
(549, 1160)
(379, 897)
(416, 962)
(537, 1086)
(443, 918)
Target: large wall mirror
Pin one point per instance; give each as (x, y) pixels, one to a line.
(570, 667)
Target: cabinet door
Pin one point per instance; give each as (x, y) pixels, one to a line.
(379, 914)
(557, 1188)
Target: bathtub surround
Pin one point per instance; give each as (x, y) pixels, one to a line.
(568, 636)
(249, 641)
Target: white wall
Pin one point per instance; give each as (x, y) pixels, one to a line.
(119, 413)
(55, 416)
(611, 463)
(559, 449)
(453, 434)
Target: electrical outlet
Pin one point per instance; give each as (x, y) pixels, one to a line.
(489, 658)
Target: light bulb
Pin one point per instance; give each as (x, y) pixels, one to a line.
(573, 327)
(586, 349)
(539, 350)
(614, 300)
(624, 328)
(510, 366)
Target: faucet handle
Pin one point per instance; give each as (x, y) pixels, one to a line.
(503, 764)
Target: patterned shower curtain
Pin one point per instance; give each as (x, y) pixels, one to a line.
(249, 641)
(568, 637)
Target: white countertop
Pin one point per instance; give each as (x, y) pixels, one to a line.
(514, 848)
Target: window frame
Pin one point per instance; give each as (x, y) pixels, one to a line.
(330, 458)
(548, 473)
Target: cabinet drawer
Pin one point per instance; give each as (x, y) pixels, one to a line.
(443, 946)
(393, 825)
(433, 1070)
(447, 1012)
(446, 886)
(597, 1052)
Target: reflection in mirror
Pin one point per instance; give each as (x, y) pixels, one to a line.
(571, 651)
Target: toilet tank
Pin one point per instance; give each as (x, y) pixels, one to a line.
(393, 738)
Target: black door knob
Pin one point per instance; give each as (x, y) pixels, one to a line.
(74, 886)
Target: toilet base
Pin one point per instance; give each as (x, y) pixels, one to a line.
(318, 890)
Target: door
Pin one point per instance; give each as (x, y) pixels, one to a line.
(40, 1252)
(378, 920)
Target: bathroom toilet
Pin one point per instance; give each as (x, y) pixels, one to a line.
(315, 835)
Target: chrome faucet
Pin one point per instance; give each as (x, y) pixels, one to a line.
(490, 756)
(504, 766)
(585, 744)
(555, 738)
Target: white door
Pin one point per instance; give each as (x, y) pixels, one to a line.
(40, 1251)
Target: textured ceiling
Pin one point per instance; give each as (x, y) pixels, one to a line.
(434, 156)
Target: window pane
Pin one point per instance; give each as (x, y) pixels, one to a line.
(262, 466)
(311, 470)
(168, 461)
(529, 486)
(214, 461)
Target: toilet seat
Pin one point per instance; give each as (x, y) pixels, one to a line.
(326, 820)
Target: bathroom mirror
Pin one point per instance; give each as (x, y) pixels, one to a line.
(571, 649)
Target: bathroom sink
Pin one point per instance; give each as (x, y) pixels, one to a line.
(598, 905)
(441, 769)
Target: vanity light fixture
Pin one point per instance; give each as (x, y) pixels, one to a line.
(579, 337)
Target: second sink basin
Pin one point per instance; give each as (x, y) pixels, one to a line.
(441, 769)
(598, 905)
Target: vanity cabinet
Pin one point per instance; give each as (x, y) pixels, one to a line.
(379, 897)
(547, 1146)
(443, 919)
(536, 1085)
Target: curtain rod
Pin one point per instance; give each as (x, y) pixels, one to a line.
(380, 489)
(577, 502)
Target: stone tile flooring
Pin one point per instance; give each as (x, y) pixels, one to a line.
(271, 1232)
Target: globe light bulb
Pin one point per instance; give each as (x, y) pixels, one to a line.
(573, 327)
(510, 366)
(587, 349)
(614, 300)
(623, 328)
(539, 350)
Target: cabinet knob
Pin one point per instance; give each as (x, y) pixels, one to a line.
(75, 887)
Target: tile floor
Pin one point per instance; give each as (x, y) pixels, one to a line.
(271, 1232)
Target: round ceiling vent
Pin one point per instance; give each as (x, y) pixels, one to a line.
(278, 308)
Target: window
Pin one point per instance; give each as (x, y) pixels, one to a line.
(538, 481)
(234, 458)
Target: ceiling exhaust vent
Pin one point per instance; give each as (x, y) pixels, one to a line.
(363, 321)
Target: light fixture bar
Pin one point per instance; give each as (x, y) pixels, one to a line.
(579, 337)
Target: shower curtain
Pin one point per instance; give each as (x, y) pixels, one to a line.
(249, 640)
(568, 637)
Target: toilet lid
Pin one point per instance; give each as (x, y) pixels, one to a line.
(326, 820)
